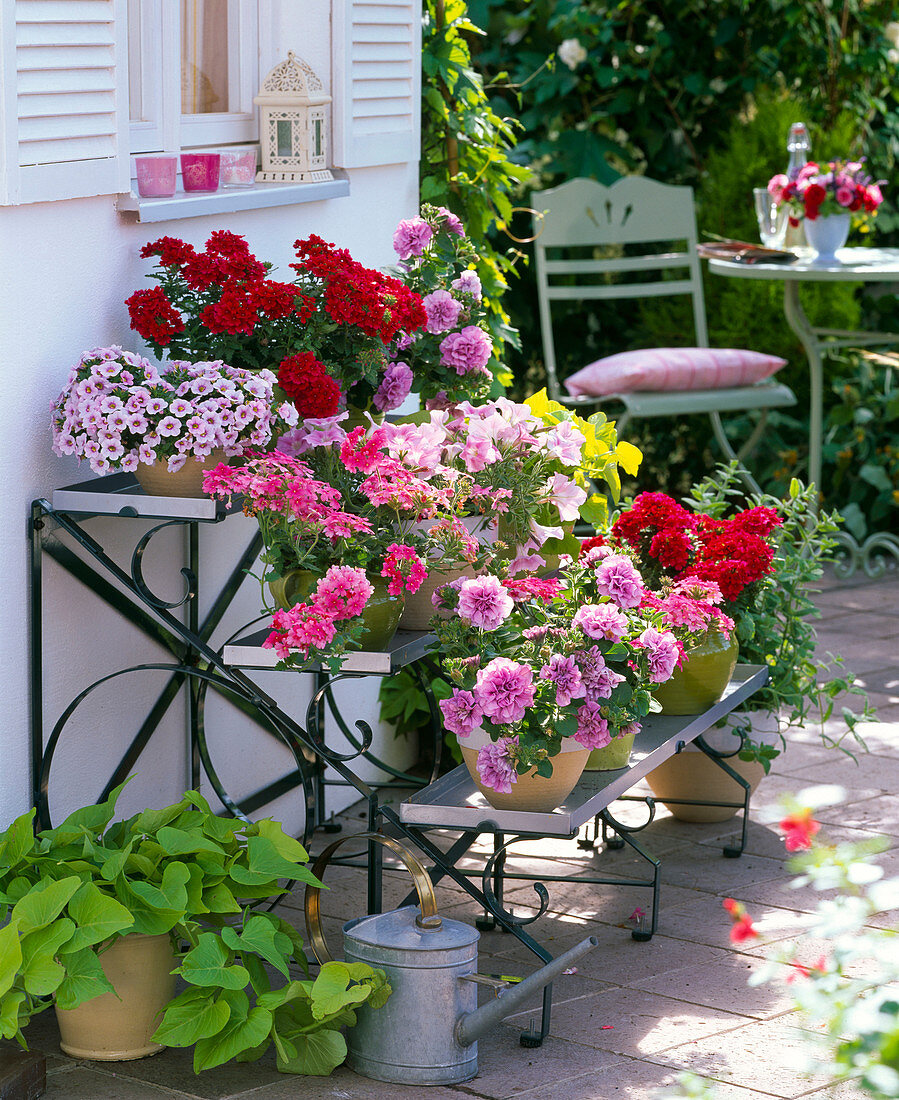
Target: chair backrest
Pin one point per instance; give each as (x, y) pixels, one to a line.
(582, 216)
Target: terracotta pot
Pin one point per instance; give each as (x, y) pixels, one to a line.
(155, 480)
(112, 1028)
(701, 680)
(691, 774)
(611, 757)
(532, 792)
(381, 614)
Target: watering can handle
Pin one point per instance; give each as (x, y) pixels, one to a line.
(427, 921)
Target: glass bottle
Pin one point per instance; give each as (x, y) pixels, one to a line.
(799, 149)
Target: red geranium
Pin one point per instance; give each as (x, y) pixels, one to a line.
(307, 383)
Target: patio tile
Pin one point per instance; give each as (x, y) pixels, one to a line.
(81, 1083)
(694, 865)
(723, 984)
(707, 922)
(634, 1022)
(879, 772)
(343, 1084)
(506, 1069)
(768, 1055)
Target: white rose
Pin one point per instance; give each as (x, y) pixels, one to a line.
(893, 57)
(891, 32)
(572, 53)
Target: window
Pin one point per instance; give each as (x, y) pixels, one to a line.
(193, 72)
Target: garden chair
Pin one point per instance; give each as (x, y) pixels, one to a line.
(627, 224)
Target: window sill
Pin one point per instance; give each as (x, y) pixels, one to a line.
(261, 195)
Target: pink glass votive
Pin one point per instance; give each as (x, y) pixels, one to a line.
(239, 168)
(200, 171)
(156, 176)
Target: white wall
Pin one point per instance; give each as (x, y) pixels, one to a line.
(68, 268)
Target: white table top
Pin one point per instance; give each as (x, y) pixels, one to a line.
(869, 265)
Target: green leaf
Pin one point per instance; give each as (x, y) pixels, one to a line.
(114, 864)
(151, 821)
(97, 916)
(189, 1018)
(10, 956)
(208, 964)
(283, 844)
(178, 842)
(10, 1024)
(41, 973)
(219, 899)
(261, 936)
(170, 894)
(43, 903)
(92, 818)
(331, 990)
(264, 858)
(84, 980)
(236, 1037)
(293, 991)
(17, 841)
(318, 1053)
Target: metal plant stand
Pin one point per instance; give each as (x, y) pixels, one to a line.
(450, 802)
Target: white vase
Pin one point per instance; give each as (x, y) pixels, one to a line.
(826, 234)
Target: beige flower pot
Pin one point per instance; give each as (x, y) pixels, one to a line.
(112, 1028)
(155, 479)
(691, 774)
(532, 792)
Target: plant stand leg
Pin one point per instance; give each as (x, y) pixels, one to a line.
(625, 836)
(731, 851)
(488, 922)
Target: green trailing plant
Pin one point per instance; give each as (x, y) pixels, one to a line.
(467, 152)
(69, 892)
(405, 706)
(861, 453)
(777, 628)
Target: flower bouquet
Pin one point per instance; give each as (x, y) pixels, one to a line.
(328, 335)
(450, 357)
(119, 411)
(544, 666)
(843, 187)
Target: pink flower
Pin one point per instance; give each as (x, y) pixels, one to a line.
(450, 222)
(564, 443)
(566, 495)
(776, 186)
(394, 388)
(442, 309)
(343, 591)
(405, 569)
(603, 620)
(468, 283)
(799, 829)
(461, 713)
(845, 195)
(412, 237)
(485, 602)
(617, 578)
(662, 652)
(592, 729)
(565, 674)
(495, 766)
(504, 689)
(467, 351)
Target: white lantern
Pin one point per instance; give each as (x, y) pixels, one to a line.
(292, 124)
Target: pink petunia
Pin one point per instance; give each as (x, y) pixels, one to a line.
(461, 713)
(617, 578)
(485, 602)
(504, 690)
(495, 766)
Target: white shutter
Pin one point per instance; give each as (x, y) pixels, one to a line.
(377, 82)
(66, 137)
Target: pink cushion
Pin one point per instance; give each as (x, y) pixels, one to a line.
(672, 369)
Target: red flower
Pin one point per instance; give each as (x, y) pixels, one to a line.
(306, 381)
(742, 927)
(799, 828)
(589, 544)
(153, 315)
(233, 312)
(224, 243)
(274, 299)
(171, 251)
(202, 271)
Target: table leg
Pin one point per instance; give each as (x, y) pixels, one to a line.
(799, 323)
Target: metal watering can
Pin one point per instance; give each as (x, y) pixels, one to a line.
(427, 1032)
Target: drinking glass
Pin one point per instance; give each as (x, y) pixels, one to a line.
(238, 168)
(771, 218)
(200, 171)
(156, 176)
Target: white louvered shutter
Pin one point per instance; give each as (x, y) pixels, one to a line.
(377, 82)
(71, 118)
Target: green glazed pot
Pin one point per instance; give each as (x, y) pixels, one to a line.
(380, 616)
(701, 680)
(611, 757)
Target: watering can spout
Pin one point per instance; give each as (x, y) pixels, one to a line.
(472, 1025)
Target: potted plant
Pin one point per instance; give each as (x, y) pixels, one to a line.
(91, 889)
(766, 560)
(544, 673)
(450, 357)
(341, 547)
(121, 413)
(829, 201)
(330, 335)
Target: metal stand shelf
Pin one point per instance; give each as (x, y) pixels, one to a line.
(451, 802)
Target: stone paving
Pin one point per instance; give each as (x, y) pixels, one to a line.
(634, 1014)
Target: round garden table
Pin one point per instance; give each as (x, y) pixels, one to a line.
(855, 265)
